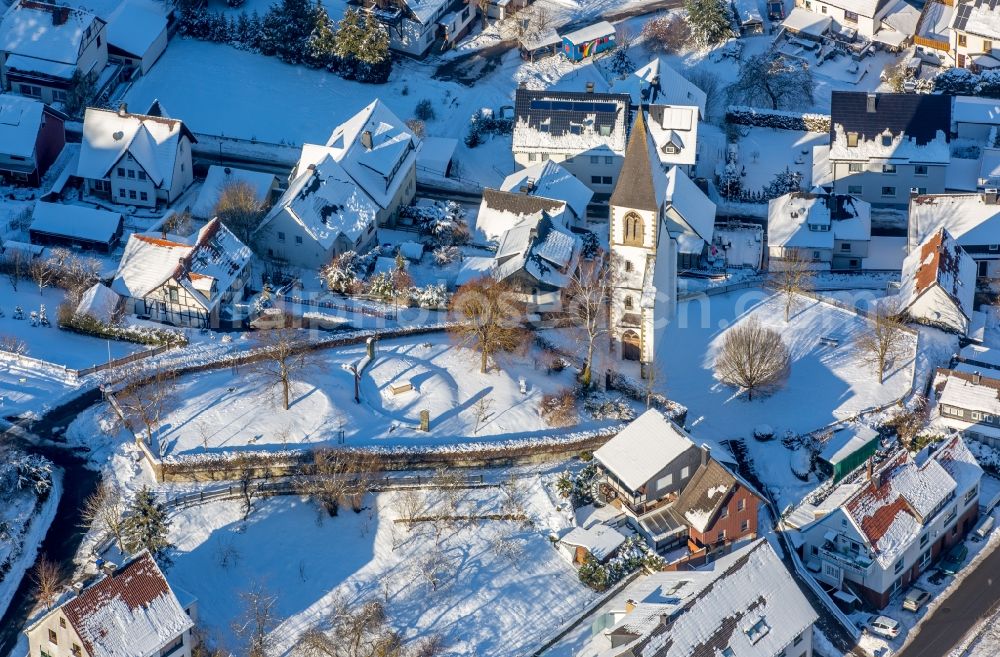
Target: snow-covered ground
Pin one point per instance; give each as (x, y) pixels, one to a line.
(825, 384)
(222, 409)
(492, 602)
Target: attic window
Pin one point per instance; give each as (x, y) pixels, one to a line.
(757, 631)
(605, 130)
(852, 139)
(887, 140)
(728, 652)
(670, 149)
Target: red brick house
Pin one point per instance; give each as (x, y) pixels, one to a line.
(32, 136)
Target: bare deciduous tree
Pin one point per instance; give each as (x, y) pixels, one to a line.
(793, 276)
(773, 80)
(239, 209)
(490, 319)
(752, 358)
(883, 341)
(47, 577)
(408, 504)
(326, 479)
(667, 34)
(483, 411)
(910, 421)
(558, 409)
(13, 345)
(285, 353)
(147, 395)
(258, 619)
(361, 630)
(42, 273)
(178, 223)
(105, 511)
(435, 566)
(15, 264)
(251, 474)
(587, 301)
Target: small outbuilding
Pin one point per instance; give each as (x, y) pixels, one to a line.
(588, 41)
(599, 541)
(264, 185)
(846, 450)
(75, 226)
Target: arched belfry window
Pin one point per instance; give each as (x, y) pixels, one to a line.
(632, 235)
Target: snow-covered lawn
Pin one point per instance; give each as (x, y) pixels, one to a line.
(51, 343)
(488, 604)
(221, 410)
(765, 152)
(825, 383)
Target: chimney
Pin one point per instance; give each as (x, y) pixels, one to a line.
(122, 109)
(629, 605)
(990, 195)
(60, 15)
(868, 469)
(871, 103)
(590, 87)
(706, 453)
(109, 568)
(366, 139)
(977, 378)
(77, 588)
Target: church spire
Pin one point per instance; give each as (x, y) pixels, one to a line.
(640, 185)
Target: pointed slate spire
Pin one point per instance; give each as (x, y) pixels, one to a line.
(640, 183)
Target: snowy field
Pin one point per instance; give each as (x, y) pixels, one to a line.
(825, 383)
(50, 343)
(221, 410)
(490, 602)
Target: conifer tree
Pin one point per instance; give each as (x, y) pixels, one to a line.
(320, 46)
(147, 527)
(709, 20)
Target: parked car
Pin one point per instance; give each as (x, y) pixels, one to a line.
(953, 561)
(884, 626)
(915, 599)
(984, 529)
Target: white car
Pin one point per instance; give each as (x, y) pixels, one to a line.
(884, 626)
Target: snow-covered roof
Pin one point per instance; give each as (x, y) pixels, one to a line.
(425, 11)
(542, 248)
(100, 302)
(860, 7)
(936, 23)
(901, 16)
(326, 202)
(411, 250)
(747, 606)
(153, 142)
(375, 148)
(472, 268)
(643, 448)
(938, 262)
(657, 83)
(904, 494)
(590, 32)
(691, 203)
(570, 122)
(704, 495)
(20, 121)
(552, 181)
(803, 21)
(540, 39)
(435, 153)
(135, 25)
(967, 217)
(26, 64)
(206, 268)
(972, 109)
(599, 540)
(674, 129)
(899, 148)
(980, 17)
(747, 12)
(641, 185)
(30, 29)
(971, 391)
(845, 442)
(76, 221)
(804, 220)
(132, 612)
(219, 176)
(499, 211)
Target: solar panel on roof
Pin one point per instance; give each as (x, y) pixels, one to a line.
(573, 106)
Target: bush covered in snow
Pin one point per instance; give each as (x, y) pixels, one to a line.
(784, 182)
(963, 82)
(347, 271)
(778, 119)
(444, 221)
(445, 255)
(558, 409)
(578, 487)
(89, 325)
(634, 390)
(433, 295)
(603, 406)
(801, 463)
(484, 123)
(21, 471)
(632, 555)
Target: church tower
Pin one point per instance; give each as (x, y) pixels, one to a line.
(643, 254)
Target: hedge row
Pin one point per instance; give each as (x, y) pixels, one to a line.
(778, 119)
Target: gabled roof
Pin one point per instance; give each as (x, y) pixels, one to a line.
(381, 168)
(151, 140)
(697, 210)
(76, 222)
(499, 211)
(750, 605)
(100, 302)
(540, 247)
(643, 448)
(325, 201)
(206, 268)
(704, 495)
(917, 116)
(789, 217)
(570, 121)
(29, 29)
(656, 83)
(132, 612)
(967, 217)
(676, 125)
(904, 494)
(20, 121)
(600, 540)
(642, 185)
(939, 262)
(135, 25)
(551, 180)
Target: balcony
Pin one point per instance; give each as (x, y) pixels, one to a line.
(857, 564)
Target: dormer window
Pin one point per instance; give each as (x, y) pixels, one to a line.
(605, 130)
(670, 149)
(887, 139)
(852, 140)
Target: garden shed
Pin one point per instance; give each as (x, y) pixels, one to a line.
(847, 449)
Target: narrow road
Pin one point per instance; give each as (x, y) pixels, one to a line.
(976, 598)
